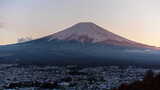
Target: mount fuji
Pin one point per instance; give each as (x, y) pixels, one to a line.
(92, 33)
(84, 43)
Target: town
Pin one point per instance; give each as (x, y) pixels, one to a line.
(70, 77)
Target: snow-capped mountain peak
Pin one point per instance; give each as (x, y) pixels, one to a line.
(92, 33)
(87, 32)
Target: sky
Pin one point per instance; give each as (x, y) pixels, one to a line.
(137, 20)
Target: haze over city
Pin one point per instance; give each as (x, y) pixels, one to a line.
(137, 20)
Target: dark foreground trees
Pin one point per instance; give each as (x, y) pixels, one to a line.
(150, 82)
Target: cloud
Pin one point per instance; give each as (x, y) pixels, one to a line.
(139, 51)
(146, 51)
(1, 21)
(24, 39)
(1, 25)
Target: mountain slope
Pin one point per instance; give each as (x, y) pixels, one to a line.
(59, 52)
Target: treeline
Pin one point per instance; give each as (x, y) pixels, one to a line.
(150, 82)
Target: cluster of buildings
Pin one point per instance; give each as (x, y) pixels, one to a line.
(14, 76)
